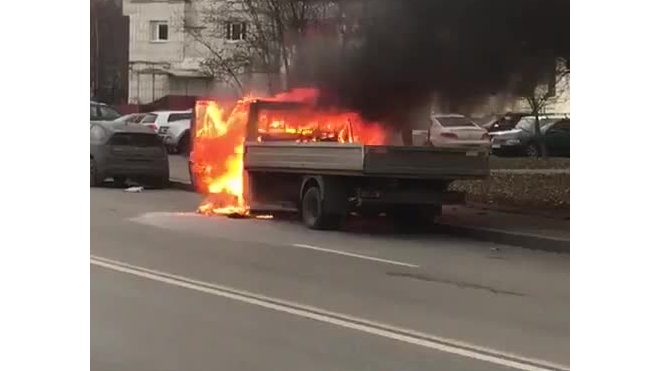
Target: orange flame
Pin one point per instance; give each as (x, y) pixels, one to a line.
(220, 136)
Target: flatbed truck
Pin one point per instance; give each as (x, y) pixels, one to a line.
(326, 181)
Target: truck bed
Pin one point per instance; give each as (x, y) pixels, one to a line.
(360, 160)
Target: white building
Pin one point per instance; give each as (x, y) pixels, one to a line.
(165, 59)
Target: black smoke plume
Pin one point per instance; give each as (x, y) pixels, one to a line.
(461, 50)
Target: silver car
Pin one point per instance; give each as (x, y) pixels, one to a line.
(176, 136)
(133, 118)
(123, 151)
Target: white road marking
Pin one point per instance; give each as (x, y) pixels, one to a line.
(355, 323)
(339, 252)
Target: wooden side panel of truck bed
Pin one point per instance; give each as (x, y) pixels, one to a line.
(424, 162)
(325, 157)
(355, 159)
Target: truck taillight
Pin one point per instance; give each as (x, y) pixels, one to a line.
(449, 135)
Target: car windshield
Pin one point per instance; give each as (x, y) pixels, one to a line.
(149, 119)
(526, 124)
(179, 117)
(108, 113)
(454, 121)
(126, 118)
(555, 124)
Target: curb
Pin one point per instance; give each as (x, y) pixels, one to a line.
(528, 241)
(550, 214)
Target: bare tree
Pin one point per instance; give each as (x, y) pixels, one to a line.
(225, 64)
(544, 93)
(260, 36)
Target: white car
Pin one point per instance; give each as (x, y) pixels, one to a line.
(457, 131)
(176, 136)
(157, 119)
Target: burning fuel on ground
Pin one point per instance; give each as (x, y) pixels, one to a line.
(220, 135)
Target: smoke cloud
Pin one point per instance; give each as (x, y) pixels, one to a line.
(461, 50)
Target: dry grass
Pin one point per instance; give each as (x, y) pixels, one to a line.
(532, 191)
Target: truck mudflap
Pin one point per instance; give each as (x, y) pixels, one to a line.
(428, 162)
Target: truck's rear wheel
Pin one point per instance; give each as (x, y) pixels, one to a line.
(313, 213)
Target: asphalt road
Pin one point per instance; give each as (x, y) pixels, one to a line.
(172, 290)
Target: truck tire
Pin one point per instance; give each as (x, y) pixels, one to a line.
(313, 214)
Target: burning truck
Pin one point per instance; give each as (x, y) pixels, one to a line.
(286, 153)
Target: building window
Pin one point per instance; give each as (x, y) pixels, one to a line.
(235, 31)
(159, 31)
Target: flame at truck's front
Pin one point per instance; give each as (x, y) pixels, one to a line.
(218, 156)
(220, 135)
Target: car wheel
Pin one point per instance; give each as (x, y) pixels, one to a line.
(531, 151)
(184, 144)
(95, 179)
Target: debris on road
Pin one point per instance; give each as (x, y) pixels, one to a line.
(134, 189)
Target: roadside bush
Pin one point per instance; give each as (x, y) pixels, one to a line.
(530, 191)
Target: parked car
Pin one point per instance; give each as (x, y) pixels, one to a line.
(132, 118)
(509, 120)
(504, 122)
(558, 138)
(522, 141)
(457, 131)
(157, 119)
(176, 136)
(122, 151)
(101, 112)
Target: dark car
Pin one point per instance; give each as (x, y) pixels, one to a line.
(101, 112)
(522, 141)
(123, 151)
(505, 122)
(558, 138)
